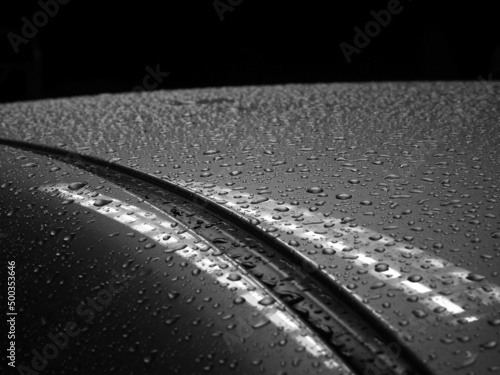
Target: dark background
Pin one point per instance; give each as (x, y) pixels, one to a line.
(91, 47)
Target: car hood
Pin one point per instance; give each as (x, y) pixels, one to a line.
(387, 192)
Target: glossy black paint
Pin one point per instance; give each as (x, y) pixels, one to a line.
(97, 293)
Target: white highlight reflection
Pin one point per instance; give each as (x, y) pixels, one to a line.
(447, 304)
(417, 287)
(199, 253)
(363, 255)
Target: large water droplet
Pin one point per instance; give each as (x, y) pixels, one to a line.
(315, 190)
(29, 165)
(211, 152)
(419, 313)
(239, 300)
(475, 277)
(76, 185)
(102, 202)
(381, 267)
(259, 200)
(343, 196)
(234, 277)
(266, 301)
(415, 278)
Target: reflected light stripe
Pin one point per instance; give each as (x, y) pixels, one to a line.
(447, 304)
(149, 226)
(417, 287)
(435, 266)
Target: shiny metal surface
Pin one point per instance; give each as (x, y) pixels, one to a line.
(388, 191)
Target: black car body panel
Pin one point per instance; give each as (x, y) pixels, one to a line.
(387, 193)
(109, 283)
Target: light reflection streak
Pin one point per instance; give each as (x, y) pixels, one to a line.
(360, 256)
(447, 304)
(417, 287)
(198, 252)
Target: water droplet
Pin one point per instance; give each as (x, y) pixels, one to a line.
(377, 285)
(29, 165)
(328, 251)
(421, 314)
(281, 209)
(259, 200)
(315, 190)
(381, 267)
(172, 294)
(391, 177)
(149, 358)
(415, 278)
(494, 322)
(234, 277)
(347, 219)
(475, 277)
(211, 152)
(266, 301)
(172, 320)
(76, 185)
(343, 196)
(489, 345)
(261, 323)
(470, 359)
(239, 300)
(102, 202)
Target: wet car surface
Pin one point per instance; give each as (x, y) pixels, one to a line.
(384, 197)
